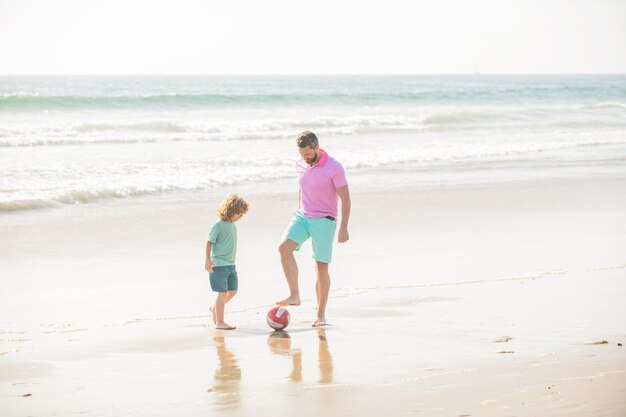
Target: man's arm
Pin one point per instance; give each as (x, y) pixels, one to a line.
(344, 195)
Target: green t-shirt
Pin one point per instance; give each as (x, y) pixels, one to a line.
(223, 235)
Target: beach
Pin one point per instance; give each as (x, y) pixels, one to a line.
(104, 314)
(484, 275)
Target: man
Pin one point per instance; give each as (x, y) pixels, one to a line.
(322, 180)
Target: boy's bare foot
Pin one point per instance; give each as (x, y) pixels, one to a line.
(293, 300)
(212, 310)
(320, 323)
(224, 326)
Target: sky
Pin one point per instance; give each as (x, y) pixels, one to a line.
(312, 37)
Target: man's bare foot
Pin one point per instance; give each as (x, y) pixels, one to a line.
(293, 300)
(212, 310)
(224, 326)
(320, 323)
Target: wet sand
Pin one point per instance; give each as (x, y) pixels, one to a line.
(459, 300)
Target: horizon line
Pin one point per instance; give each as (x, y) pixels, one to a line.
(302, 74)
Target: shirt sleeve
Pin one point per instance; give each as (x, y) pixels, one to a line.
(215, 232)
(339, 177)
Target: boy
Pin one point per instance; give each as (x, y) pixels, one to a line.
(221, 248)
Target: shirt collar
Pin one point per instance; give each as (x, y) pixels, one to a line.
(323, 159)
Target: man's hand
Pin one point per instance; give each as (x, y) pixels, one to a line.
(343, 235)
(209, 265)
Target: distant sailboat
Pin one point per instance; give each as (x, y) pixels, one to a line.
(476, 71)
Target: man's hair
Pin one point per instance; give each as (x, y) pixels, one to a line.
(307, 138)
(231, 206)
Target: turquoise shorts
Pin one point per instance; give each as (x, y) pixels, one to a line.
(320, 230)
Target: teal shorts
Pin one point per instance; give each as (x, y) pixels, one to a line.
(224, 278)
(320, 230)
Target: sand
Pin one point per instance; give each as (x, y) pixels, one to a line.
(460, 300)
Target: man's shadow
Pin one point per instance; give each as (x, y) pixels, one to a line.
(227, 376)
(280, 344)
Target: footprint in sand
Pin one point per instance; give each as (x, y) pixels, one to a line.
(503, 339)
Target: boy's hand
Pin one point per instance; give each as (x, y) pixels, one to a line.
(209, 265)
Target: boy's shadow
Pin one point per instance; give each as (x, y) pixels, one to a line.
(280, 344)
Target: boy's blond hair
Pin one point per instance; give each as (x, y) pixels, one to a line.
(231, 206)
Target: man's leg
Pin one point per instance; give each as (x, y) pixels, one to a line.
(290, 268)
(322, 288)
(322, 234)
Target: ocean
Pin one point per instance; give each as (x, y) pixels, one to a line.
(87, 139)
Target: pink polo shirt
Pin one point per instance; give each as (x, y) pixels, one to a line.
(318, 184)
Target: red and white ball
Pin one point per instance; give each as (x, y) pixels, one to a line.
(278, 318)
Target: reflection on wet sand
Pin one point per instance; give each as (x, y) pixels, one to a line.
(280, 344)
(325, 358)
(227, 376)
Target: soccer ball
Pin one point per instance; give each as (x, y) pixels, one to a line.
(278, 318)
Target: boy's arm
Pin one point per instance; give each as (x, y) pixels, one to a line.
(208, 263)
(344, 195)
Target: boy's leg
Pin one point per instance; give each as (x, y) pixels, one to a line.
(212, 310)
(290, 268)
(220, 300)
(218, 279)
(322, 289)
(219, 307)
(219, 284)
(229, 296)
(232, 284)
